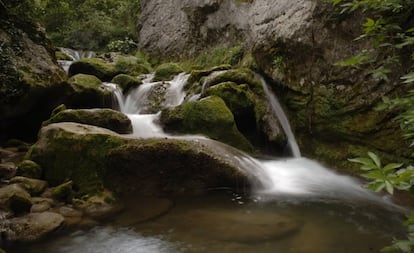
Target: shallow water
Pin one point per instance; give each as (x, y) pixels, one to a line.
(226, 222)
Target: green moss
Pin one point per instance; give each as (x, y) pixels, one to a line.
(126, 82)
(62, 56)
(75, 157)
(239, 76)
(106, 118)
(58, 109)
(63, 192)
(93, 66)
(132, 65)
(196, 75)
(28, 168)
(209, 116)
(167, 71)
(83, 82)
(220, 55)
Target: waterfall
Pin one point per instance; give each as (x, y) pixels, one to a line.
(284, 122)
(76, 55)
(295, 178)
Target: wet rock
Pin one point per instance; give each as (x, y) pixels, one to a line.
(16, 198)
(106, 118)
(69, 212)
(33, 186)
(209, 116)
(132, 65)
(28, 168)
(7, 170)
(33, 226)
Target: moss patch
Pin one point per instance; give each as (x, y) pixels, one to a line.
(106, 118)
(132, 65)
(126, 82)
(167, 71)
(93, 66)
(209, 116)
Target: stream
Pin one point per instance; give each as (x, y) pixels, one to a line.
(301, 207)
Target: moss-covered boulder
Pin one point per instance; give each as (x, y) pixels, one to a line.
(209, 116)
(94, 66)
(105, 118)
(149, 166)
(76, 152)
(87, 91)
(167, 71)
(28, 168)
(196, 75)
(132, 65)
(239, 76)
(239, 99)
(31, 82)
(126, 82)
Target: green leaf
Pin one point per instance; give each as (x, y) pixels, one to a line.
(392, 166)
(409, 78)
(375, 158)
(389, 187)
(376, 186)
(363, 160)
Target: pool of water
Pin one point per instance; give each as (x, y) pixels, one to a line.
(226, 222)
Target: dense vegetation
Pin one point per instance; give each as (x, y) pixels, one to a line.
(389, 26)
(83, 24)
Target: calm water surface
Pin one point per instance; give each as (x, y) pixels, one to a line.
(226, 222)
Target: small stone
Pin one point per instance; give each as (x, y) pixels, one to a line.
(15, 197)
(69, 212)
(33, 226)
(39, 208)
(7, 170)
(33, 186)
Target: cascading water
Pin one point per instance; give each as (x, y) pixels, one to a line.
(76, 55)
(284, 122)
(292, 177)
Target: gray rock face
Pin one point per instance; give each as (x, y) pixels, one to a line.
(183, 27)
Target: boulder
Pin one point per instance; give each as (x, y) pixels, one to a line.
(123, 165)
(86, 91)
(105, 118)
(126, 82)
(166, 71)
(95, 67)
(209, 116)
(16, 198)
(132, 65)
(33, 227)
(28, 168)
(33, 186)
(32, 83)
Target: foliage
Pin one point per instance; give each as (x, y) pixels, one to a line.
(127, 45)
(88, 24)
(220, 55)
(388, 27)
